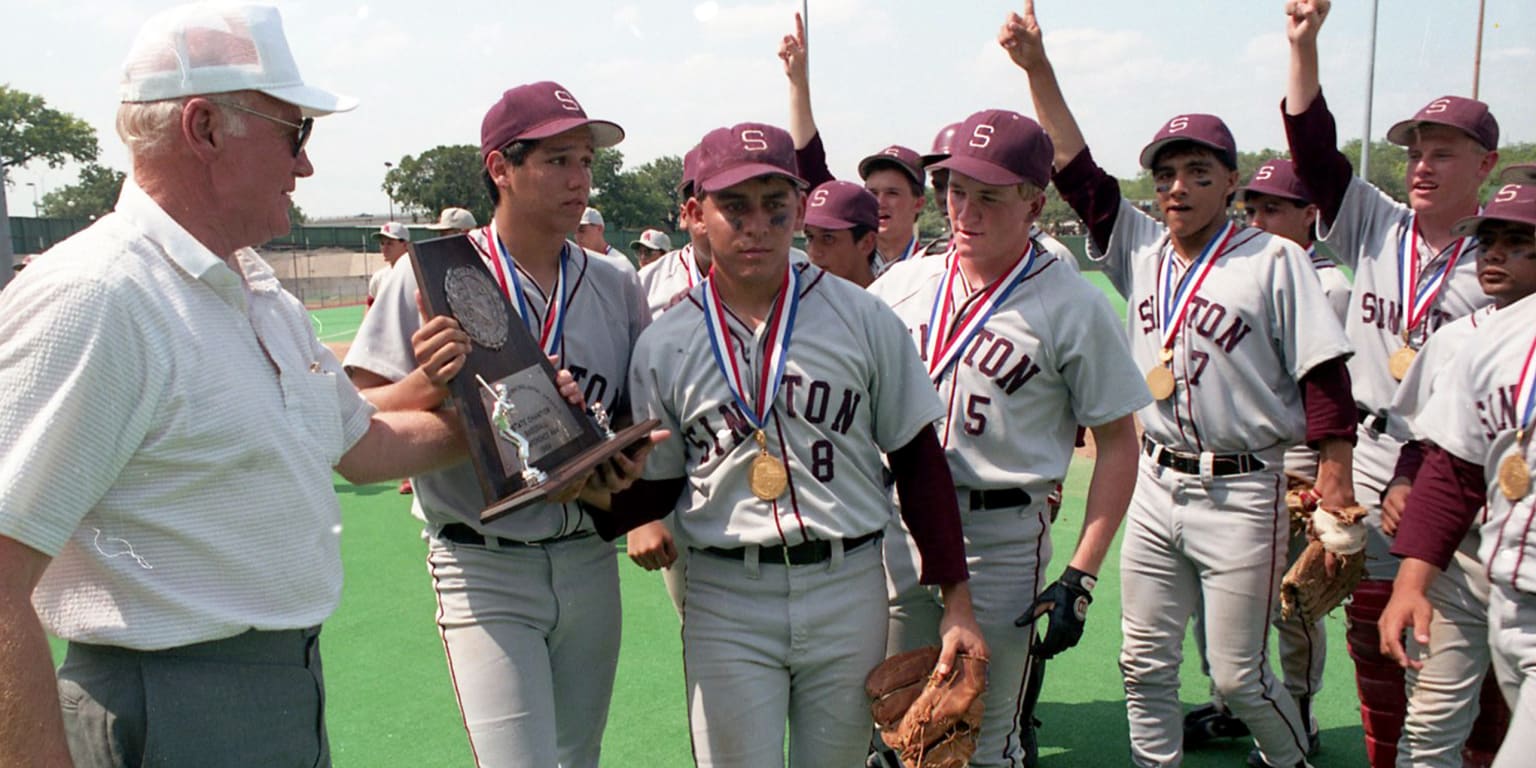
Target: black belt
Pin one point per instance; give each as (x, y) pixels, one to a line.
(1375, 422)
(1222, 464)
(1000, 498)
(805, 553)
(460, 533)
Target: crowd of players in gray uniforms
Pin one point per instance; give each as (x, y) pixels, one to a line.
(862, 446)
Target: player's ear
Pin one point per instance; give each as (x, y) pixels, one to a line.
(1311, 214)
(1486, 166)
(800, 201)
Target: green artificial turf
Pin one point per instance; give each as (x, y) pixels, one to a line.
(391, 703)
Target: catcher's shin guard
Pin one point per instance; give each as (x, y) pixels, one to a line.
(1489, 727)
(1383, 702)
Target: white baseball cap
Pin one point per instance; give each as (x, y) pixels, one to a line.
(654, 239)
(592, 216)
(393, 230)
(454, 218)
(208, 48)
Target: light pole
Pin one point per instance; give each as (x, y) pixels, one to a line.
(387, 166)
(33, 185)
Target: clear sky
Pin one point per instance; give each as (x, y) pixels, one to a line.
(883, 71)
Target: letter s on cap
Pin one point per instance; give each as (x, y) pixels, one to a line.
(753, 140)
(981, 137)
(567, 101)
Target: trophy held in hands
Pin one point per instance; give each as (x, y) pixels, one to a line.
(526, 441)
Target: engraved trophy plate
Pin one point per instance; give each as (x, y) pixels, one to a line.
(476, 302)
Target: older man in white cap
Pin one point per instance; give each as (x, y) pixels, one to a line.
(171, 424)
(454, 221)
(590, 235)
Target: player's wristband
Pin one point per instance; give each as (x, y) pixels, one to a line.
(1072, 577)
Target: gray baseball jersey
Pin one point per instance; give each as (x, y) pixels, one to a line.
(1255, 326)
(668, 279)
(1049, 358)
(1367, 235)
(852, 380)
(1476, 416)
(604, 316)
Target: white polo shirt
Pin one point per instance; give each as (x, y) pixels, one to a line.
(169, 434)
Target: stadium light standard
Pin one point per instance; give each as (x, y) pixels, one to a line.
(388, 165)
(33, 185)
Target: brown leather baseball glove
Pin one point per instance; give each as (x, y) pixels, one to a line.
(932, 721)
(1308, 590)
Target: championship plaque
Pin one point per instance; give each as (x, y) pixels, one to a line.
(525, 441)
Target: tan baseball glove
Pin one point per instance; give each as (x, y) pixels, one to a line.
(932, 721)
(1308, 590)
(1301, 499)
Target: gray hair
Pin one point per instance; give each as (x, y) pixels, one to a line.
(146, 127)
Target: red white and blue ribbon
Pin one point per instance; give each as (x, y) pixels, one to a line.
(1173, 301)
(947, 336)
(1525, 398)
(552, 334)
(781, 325)
(1415, 297)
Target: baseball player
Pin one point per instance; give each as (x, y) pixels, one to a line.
(894, 175)
(1231, 327)
(841, 219)
(940, 176)
(783, 386)
(590, 235)
(528, 606)
(650, 246)
(1411, 276)
(1275, 201)
(1445, 662)
(1476, 423)
(1017, 345)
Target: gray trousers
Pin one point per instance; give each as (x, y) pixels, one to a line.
(253, 699)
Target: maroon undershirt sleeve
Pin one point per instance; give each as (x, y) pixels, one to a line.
(1441, 508)
(926, 492)
(1092, 193)
(1330, 407)
(1409, 459)
(1322, 168)
(641, 503)
(811, 160)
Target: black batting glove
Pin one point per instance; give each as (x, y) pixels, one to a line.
(1066, 603)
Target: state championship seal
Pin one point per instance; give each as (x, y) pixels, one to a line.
(477, 304)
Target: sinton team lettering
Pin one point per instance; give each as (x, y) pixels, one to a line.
(1496, 412)
(1206, 318)
(815, 402)
(1387, 315)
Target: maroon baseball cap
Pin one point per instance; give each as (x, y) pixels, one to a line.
(690, 172)
(1204, 130)
(1512, 202)
(842, 205)
(1524, 173)
(941, 144)
(995, 146)
(907, 161)
(1470, 116)
(1277, 177)
(729, 156)
(539, 111)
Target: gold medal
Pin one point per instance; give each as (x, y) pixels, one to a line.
(768, 479)
(1401, 361)
(1514, 476)
(1160, 382)
(1165, 356)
